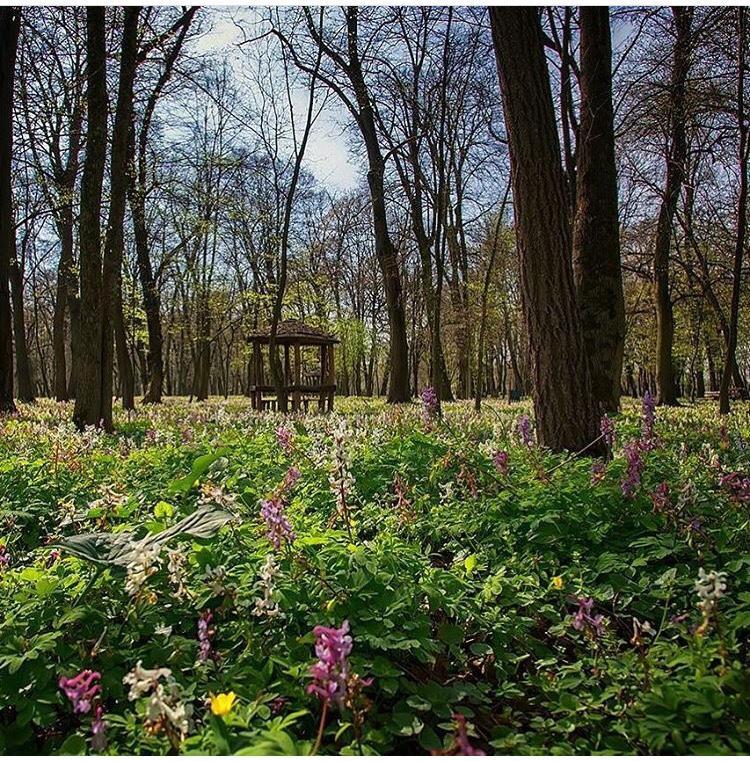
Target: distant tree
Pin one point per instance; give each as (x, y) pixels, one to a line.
(676, 153)
(565, 410)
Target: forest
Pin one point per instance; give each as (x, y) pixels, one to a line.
(374, 380)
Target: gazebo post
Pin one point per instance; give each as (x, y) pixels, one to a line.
(331, 377)
(296, 396)
(257, 394)
(287, 367)
(323, 357)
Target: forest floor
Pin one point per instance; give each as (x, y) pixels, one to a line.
(161, 587)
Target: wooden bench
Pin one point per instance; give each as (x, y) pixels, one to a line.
(734, 393)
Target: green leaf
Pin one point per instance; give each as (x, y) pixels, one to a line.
(200, 466)
(121, 549)
(75, 745)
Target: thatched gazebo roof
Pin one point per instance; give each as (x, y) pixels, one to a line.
(295, 332)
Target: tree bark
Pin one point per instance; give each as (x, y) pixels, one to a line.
(677, 150)
(23, 366)
(596, 233)
(398, 386)
(10, 25)
(739, 249)
(566, 414)
(114, 241)
(88, 406)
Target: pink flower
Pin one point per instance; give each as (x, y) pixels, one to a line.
(285, 438)
(291, 478)
(738, 485)
(500, 461)
(98, 731)
(648, 422)
(583, 620)
(330, 673)
(279, 527)
(634, 457)
(4, 556)
(81, 689)
(525, 434)
(607, 428)
(660, 497)
(205, 637)
(430, 405)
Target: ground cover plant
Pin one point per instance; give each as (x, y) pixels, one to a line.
(210, 579)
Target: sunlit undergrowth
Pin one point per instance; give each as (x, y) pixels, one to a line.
(166, 587)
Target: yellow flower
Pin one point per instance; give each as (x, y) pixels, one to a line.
(222, 703)
(557, 582)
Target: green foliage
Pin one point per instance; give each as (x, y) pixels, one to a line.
(460, 582)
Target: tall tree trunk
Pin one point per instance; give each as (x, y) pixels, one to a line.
(10, 25)
(596, 233)
(566, 414)
(114, 242)
(677, 150)
(88, 406)
(739, 249)
(137, 190)
(398, 386)
(23, 366)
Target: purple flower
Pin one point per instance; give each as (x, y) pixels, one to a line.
(463, 745)
(279, 527)
(430, 405)
(291, 478)
(284, 438)
(98, 731)
(738, 485)
(81, 689)
(4, 556)
(500, 461)
(331, 672)
(660, 497)
(607, 428)
(648, 421)
(525, 434)
(634, 457)
(205, 637)
(583, 620)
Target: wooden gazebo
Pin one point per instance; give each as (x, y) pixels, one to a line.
(301, 386)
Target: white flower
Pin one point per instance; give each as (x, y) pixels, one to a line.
(215, 579)
(215, 495)
(176, 567)
(710, 586)
(266, 606)
(145, 565)
(143, 680)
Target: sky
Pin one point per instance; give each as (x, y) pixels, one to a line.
(327, 155)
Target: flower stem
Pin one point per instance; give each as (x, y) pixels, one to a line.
(321, 727)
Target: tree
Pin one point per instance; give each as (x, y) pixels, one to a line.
(741, 233)
(566, 414)
(101, 309)
(677, 149)
(10, 25)
(347, 63)
(596, 232)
